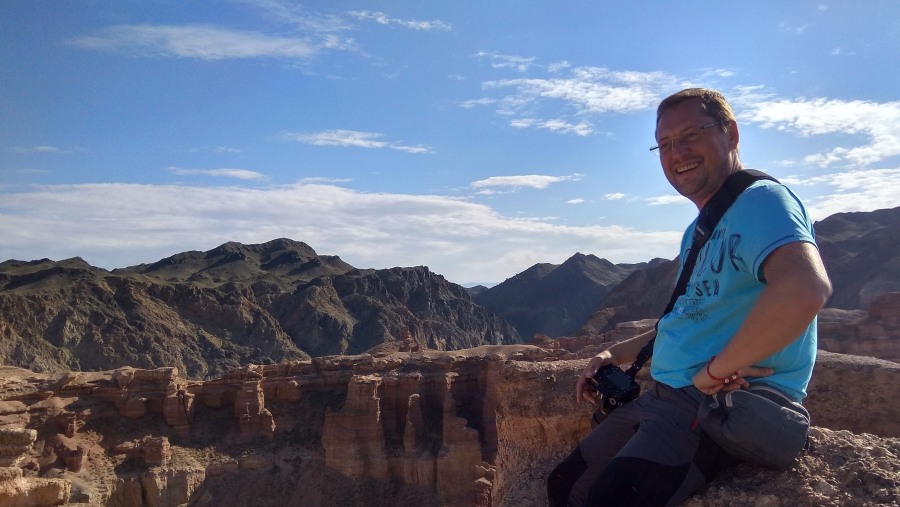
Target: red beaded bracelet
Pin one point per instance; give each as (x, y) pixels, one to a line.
(723, 380)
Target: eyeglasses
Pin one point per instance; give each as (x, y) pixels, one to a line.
(689, 136)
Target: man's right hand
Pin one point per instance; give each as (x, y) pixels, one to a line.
(583, 391)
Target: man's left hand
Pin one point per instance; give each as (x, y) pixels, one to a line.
(708, 385)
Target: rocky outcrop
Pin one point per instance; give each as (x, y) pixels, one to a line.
(16, 490)
(875, 333)
(861, 256)
(642, 295)
(474, 427)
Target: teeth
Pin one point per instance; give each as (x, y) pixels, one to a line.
(684, 168)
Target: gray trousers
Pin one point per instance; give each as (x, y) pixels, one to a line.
(649, 452)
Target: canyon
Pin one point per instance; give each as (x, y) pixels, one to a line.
(479, 427)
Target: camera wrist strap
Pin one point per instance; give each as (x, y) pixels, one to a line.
(706, 223)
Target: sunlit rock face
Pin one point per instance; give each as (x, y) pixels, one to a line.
(475, 427)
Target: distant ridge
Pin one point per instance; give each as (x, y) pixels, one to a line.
(208, 312)
(555, 300)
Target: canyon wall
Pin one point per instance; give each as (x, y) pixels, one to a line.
(477, 427)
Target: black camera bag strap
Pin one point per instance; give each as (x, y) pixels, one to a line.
(709, 217)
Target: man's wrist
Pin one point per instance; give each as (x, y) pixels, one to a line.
(609, 354)
(725, 378)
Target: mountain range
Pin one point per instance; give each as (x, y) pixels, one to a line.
(208, 312)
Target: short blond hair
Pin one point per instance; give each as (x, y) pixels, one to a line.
(711, 101)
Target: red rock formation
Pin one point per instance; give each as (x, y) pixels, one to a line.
(353, 437)
(17, 490)
(249, 408)
(479, 427)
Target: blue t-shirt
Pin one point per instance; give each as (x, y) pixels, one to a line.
(725, 284)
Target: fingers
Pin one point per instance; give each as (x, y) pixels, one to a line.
(703, 384)
(734, 386)
(757, 371)
(582, 391)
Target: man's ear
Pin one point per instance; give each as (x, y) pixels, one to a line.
(734, 135)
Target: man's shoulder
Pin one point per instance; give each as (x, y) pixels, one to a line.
(762, 190)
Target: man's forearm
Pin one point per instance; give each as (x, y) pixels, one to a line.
(626, 351)
(798, 288)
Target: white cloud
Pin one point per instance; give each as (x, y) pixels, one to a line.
(39, 149)
(581, 92)
(618, 196)
(352, 138)
(719, 73)
(558, 67)
(559, 126)
(117, 225)
(665, 200)
(517, 63)
(226, 149)
(299, 16)
(592, 90)
(384, 19)
(860, 190)
(577, 200)
(468, 104)
(538, 181)
(792, 29)
(241, 174)
(878, 124)
(203, 42)
(215, 149)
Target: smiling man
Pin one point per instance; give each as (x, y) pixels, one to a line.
(746, 318)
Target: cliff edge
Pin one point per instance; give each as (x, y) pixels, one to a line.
(475, 427)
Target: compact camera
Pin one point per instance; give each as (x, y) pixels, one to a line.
(615, 387)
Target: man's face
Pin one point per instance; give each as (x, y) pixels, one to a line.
(696, 167)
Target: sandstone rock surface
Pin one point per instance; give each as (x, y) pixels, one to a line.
(477, 427)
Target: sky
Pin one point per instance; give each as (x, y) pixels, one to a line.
(475, 138)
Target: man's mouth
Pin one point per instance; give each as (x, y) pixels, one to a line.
(686, 167)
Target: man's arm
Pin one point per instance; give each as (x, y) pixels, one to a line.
(797, 287)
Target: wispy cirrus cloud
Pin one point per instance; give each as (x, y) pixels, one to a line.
(792, 29)
(216, 149)
(40, 149)
(202, 42)
(352, 139)
(241, 174)
(383, 19)
(592, 90)
(513, 183)
(309, 34)
(556, 125)
(498, 61)
(485, 101)
(665, 200)
(580, 93)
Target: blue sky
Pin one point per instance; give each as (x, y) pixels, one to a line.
(475, 138)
